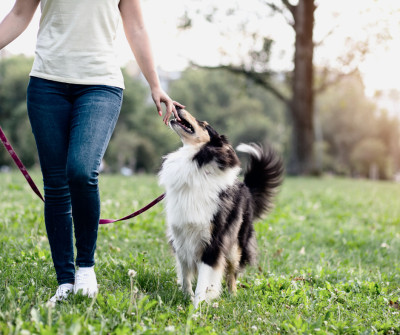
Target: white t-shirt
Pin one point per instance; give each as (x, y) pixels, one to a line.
(76, 42)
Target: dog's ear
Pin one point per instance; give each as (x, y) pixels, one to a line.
(211, 131)
(216, 139)
(223, 154)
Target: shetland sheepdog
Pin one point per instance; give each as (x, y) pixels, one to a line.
(209, 211)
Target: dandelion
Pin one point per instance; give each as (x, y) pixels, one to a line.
(134, 290)
(50, 304)
(254, 328)
(215, 305)
(132, 273)
(170, 329)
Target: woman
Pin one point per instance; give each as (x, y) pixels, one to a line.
(74, 98)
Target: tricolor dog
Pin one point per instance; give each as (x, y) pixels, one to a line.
(209, 211)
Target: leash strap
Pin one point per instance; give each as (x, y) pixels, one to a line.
(138, 212)
(32, 184)
(20, 165)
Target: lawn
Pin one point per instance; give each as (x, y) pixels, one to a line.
(328, 264)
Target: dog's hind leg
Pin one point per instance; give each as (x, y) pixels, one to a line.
(208, 282)
(232, 269)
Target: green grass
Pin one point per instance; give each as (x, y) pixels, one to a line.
(328, 264)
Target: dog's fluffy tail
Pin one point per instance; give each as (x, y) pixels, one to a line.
(263, 176)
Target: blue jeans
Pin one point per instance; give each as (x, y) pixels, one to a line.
(72, 125)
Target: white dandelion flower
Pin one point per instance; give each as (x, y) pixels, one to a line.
(132, 273)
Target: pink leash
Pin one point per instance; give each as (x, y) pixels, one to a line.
(32, 184)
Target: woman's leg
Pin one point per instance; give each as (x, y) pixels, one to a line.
(95, 113)
(49, 110)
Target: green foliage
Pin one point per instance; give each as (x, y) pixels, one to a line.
(233, 106)
(351, 127)
(13, 114)
(140, 138)
(328, 264)
(368, 153)
(355, 136)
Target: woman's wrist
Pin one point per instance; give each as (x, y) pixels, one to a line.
(153, 81)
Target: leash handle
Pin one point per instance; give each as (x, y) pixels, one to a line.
(32, 184)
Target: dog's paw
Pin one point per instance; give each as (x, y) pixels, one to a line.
(210, 294)
(188, 291)
(197, 300)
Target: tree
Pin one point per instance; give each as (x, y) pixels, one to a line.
(299, 100)
(301, 105)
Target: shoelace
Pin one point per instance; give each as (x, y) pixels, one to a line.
(84, 277)
(62, 292)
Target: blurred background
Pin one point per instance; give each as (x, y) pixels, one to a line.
(318, 80)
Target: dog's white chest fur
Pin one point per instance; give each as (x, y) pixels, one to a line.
(192, 199)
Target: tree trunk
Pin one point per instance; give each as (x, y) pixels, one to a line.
(302, 103)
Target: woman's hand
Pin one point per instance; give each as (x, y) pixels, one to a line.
(159, 97)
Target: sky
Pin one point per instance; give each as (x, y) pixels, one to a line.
(173, 49)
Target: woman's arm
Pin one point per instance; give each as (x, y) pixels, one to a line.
(17, 20)
(139, 42)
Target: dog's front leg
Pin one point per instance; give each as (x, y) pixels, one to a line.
(208, 283)
(185, 275)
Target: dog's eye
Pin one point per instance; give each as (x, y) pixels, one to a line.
(202, 124)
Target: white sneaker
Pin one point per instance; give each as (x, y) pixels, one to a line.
(62, 293)
(86, 282)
